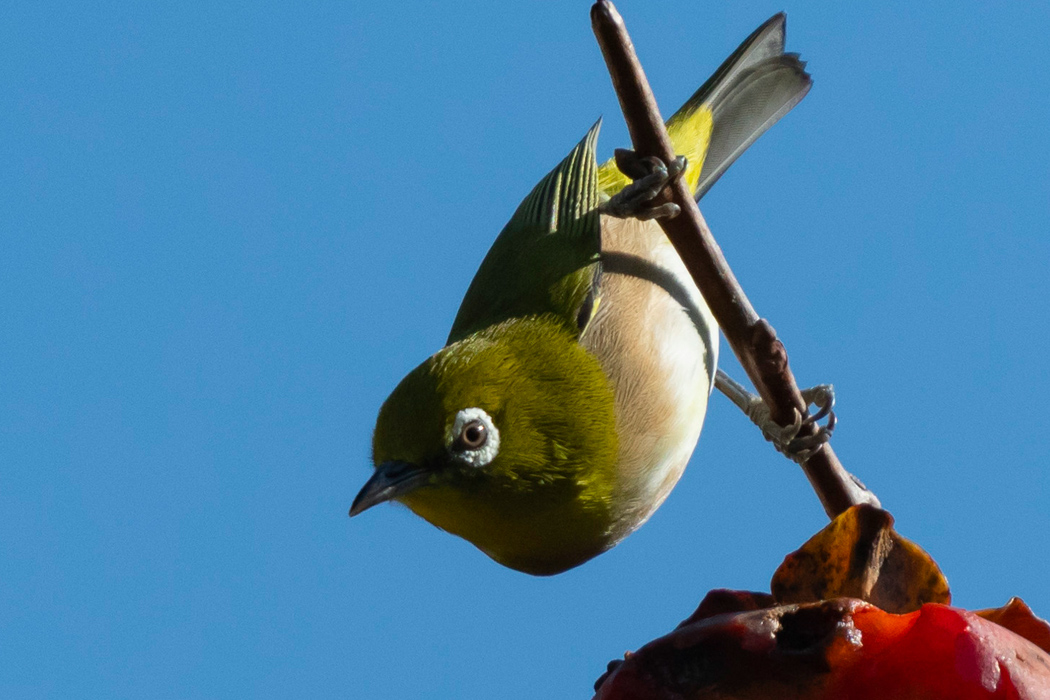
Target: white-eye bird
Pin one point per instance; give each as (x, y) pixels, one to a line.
(573, 386)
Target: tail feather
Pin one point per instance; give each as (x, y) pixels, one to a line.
(752, 101)
(765, 42)
(750, 91)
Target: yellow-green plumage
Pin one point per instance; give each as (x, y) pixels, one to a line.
(554, 409)
(575, 380)
(690, 132)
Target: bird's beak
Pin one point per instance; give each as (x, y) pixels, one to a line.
(392, 479)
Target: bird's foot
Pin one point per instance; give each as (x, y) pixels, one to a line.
(786, 439)
(650, 175)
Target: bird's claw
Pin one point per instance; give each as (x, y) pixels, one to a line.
(786, 439)
(650, 175)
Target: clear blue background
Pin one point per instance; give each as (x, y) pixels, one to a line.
(226, 233)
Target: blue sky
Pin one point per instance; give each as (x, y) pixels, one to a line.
(227, 232)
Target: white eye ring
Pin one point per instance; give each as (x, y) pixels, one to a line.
(485, 453)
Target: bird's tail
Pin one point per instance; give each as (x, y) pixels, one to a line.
(750, 91)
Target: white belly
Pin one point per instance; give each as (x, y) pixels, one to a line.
(658, 343)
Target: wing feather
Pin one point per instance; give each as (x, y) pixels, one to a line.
(545, 261)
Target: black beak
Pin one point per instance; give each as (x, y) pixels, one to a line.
(392, 479)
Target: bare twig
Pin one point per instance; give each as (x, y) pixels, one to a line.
(752, 338)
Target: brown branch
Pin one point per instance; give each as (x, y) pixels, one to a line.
(752, 338)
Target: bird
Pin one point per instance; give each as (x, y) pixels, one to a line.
(573, 385)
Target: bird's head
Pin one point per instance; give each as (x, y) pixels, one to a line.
(506, 438)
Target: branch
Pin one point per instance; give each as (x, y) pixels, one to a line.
(752, 338)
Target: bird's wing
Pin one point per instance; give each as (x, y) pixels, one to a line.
(750, 91)
(545, 261)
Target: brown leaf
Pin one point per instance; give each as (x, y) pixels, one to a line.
(1019, 619)
(859, 555)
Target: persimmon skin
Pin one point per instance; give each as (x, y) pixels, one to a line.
(842, 649)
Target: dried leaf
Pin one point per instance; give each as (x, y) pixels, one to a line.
(860, 555)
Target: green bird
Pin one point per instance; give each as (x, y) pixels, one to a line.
(574, 383)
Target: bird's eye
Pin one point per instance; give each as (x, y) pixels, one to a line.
(473, 435)
(473, 438)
